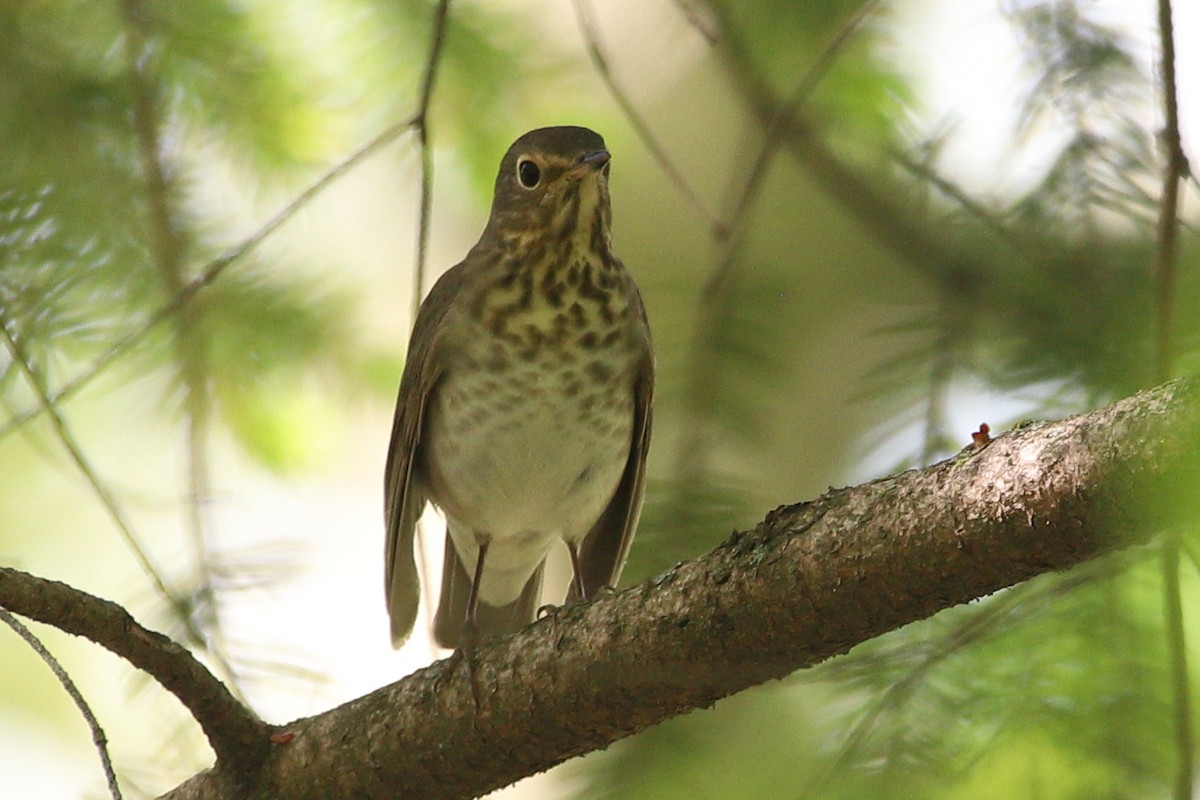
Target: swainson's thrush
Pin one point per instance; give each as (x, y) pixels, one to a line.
(524, 408)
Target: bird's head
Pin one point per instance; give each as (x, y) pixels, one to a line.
(553, 181)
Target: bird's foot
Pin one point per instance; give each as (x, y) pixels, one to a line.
(468, 640)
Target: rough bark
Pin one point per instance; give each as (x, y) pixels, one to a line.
(809, 582)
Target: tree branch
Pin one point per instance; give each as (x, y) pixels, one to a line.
(237, 736)
(808, 583)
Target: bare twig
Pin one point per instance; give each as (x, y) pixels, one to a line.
(1177, 656)
(968, 204)
(237, 736)
(1165, 271)
(941, 377)
(587, 26)
(421, 126)
(17, 350)
(1174, 172)
(693, 451)
(105, 495)
(884, 218)
(697, 17)
(98, 737)
(776, 131)
(167, 249)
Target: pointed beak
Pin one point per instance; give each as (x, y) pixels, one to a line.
(590, 163)
(596, 159)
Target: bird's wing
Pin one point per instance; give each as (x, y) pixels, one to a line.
(606, 546)
(404, 486)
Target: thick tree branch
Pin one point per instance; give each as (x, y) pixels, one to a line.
(239, 738)
(809, 582)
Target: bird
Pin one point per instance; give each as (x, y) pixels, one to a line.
(524, 407)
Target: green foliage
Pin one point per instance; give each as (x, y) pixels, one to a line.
(81, 254)
(784, 41)
(1055, 689)
(864, 292)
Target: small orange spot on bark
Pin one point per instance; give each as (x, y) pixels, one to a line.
(982, 436)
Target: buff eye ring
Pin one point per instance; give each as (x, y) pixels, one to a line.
(528, 173)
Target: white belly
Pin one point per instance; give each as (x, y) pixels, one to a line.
(522, 469)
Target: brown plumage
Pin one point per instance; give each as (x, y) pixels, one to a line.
(524, 408)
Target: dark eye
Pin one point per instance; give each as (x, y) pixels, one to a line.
(528, 173)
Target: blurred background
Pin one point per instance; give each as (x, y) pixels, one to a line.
(861, 230)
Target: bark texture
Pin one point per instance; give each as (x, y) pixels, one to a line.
(809, 582)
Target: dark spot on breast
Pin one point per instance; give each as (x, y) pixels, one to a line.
(587, 286)
(498, 360)
(552, 288)
(509, 278)
(597, 242)
(578, 315)
(599, 372)
(534, 336)
(535, 251)
(570, 218)
(584, 476)
(495, 320)
(526, 290)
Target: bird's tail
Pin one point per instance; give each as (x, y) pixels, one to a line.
(491, 620)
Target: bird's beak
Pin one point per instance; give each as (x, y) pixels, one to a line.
(589, 163)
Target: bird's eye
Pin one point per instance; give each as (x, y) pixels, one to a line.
(528, 173)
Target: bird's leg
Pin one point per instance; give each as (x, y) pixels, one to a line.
(470, 630)
(573, 549)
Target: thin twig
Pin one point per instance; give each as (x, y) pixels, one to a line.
(167, 249)
(972, 207)
(1177, 656)
(210, 273)
(693, 451)
(421, 125)
(98, 737)
(782, 122)
(1168, 215)
(1165, 272)
(885, 219)
(583, 14)
(237, 736)
(696, 17)
(105, 495)
(941, 378)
